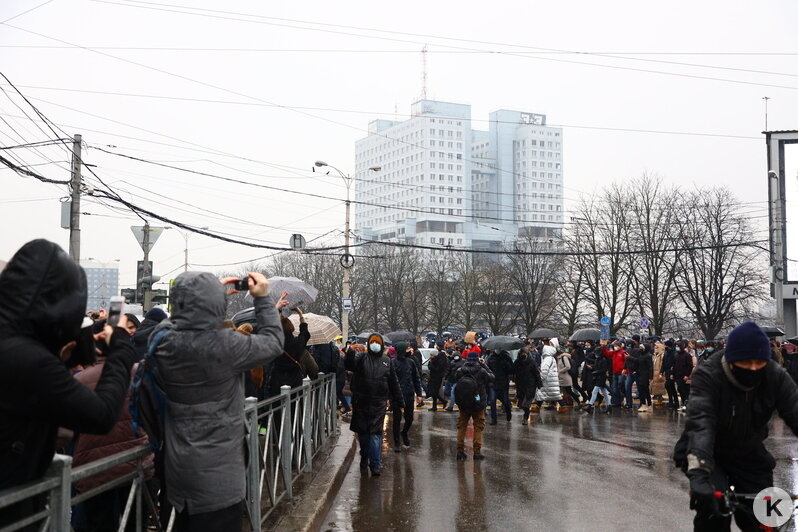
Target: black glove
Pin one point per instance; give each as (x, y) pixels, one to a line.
(702, 493)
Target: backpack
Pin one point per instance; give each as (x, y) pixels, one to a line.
(147, 397)
(466, 394)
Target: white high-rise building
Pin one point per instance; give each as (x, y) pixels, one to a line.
(442, 183)
(102, 280)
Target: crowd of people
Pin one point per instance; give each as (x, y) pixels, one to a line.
(66, 386)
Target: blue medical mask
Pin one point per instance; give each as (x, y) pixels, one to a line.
(375, 347)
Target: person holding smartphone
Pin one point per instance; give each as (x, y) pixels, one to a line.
(42, 303)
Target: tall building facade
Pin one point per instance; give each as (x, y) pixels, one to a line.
(444, 183)
(102, 279)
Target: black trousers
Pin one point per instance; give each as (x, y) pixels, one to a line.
(227, 519)
(408, 413)
(104, 511)
(670, 387)
(643, 391)
(502, 394)
(434, 391)
(748, 474)
(684, 391)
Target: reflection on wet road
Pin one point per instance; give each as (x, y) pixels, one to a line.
(565, 471)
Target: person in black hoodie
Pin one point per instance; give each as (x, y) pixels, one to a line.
(410, 382)
(668, 361)
(141, 339)
(587, 372)
(645, 373)
(438, 365)
(501, 365)
(455, 363)
(600, 367)
(287, 369)
(734, 396)
(526, 375)
(42, 301)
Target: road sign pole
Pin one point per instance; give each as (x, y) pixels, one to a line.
(147, 304)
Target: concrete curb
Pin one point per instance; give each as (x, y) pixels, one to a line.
(315, 502)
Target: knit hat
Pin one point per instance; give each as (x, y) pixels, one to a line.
(155, 314)
(746, 341)
(401, 349)
(474, 352)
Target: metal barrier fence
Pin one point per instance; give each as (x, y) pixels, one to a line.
(285, 434)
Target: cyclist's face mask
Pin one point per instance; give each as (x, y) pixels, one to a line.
(748, 377)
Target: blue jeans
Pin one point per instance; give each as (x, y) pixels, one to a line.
(371, 446)
(448, 390)
(503, 395)
(630, 379)
(604, 392)
(618, 384)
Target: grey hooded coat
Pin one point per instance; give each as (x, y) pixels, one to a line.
(203, 370)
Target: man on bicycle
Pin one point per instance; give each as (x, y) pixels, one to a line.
(733, 396)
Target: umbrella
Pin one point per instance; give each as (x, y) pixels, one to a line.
(401, 336)
(543, 333)
(773, 332)
(793, 340)
(583, 335)
(299, 292)
(322, 328)
(503, 343)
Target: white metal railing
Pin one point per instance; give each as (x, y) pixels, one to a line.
(285, 434)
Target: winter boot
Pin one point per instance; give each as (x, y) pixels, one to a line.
(461, 456)
(479, 456)
(405, 440)
(525, 419)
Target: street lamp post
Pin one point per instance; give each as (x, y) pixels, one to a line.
(346, 259)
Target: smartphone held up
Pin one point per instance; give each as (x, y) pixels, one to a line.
(115, 310)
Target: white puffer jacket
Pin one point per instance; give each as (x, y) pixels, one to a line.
(550, 391)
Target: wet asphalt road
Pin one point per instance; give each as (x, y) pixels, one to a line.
(565, 471)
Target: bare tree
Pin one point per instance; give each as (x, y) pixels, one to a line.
(442, 291)
(533, 277)
(601, 238)
(414, 303)
(569, 294)
(717, 282)
(497, 300)
(468, 279)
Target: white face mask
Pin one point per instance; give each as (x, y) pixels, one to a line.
(375, 347)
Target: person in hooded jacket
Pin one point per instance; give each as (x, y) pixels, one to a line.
(565, 376)
(645, 374)
(631, 369)
(141, 339)
(438, 366)
(374, 383)
(734, 395)
(591, 352)
(549, 391)
(526, 375)
(668, 362)
(42, 302)
(288, 369)
(476, 369)
(448, 390)
(202, 367)
(600, 367)
(501, 365)
(410, 382)
(682, 369)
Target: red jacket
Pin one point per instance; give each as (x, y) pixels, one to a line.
(617, 357)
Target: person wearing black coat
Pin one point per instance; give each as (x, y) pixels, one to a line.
(418, 358)
(645, 373)
(668, 361)
(526, 375)
(600, 367)
(482, 375)
(374, 383)
(455, 363)
(287, 369)
(501, 365)
(141, 338)
(410, 382)
(733, 398)
(438, 366)
(326, 357)
(42, 300)
(577, 358)
(587, 373)
(682, 369)
(630, 369)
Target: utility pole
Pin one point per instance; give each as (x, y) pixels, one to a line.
(74, 212)
(347, 273)
(766, 98)
(146, 274)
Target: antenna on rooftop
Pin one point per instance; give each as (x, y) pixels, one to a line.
(424, 73)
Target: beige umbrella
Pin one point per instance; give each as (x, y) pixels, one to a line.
(322, 328)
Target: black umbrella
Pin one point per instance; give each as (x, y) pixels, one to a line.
(503, 343)
(773, 332)
(583, 335)
(401, 336)
(793, 340)
(543, 333)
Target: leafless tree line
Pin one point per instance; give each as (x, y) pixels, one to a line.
(686, 259)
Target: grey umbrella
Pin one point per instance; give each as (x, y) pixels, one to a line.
(503, 343)
(299, 292)
(401, 336)
(773, 332)
(583, 335)
(543, 333)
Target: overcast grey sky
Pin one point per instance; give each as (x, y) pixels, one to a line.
(306, 77)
